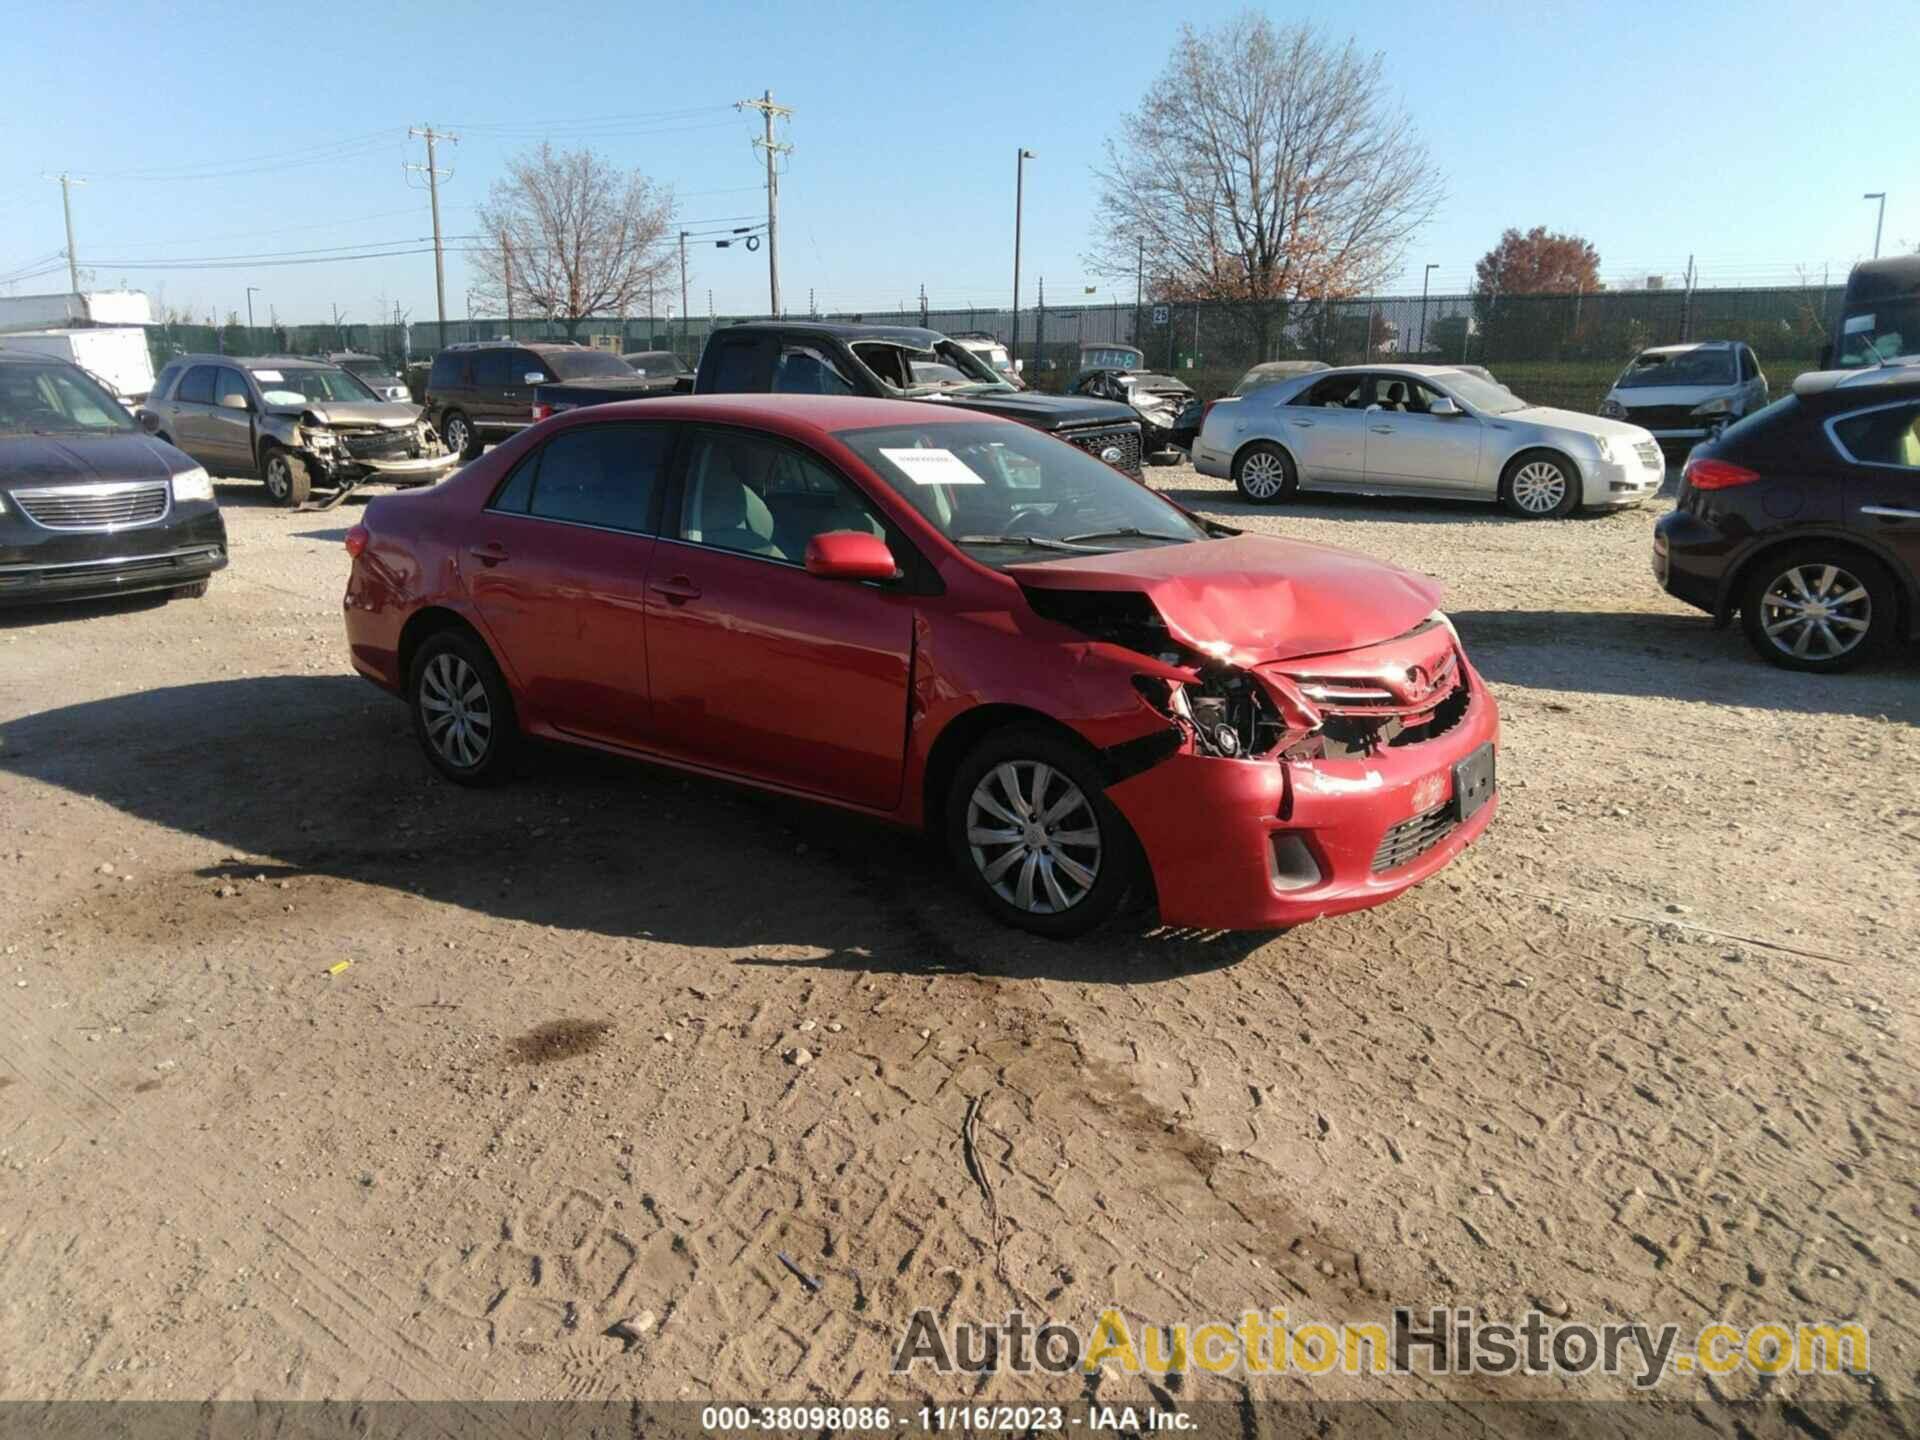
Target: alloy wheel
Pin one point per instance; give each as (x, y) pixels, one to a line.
(456, 436)
(458, 714)
(279, 477)
(1263, 474)
(1816, 612)
(1539, 487)
(1034, 836)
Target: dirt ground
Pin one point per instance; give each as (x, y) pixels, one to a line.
(1646, 1053)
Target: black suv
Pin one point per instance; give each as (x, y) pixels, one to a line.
(481, 392)
(1804, 518)
(900, 362)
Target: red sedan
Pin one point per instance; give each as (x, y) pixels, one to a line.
(946, 620)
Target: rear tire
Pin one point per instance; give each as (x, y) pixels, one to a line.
(462, 710)
(289, 481)
(1263, 473)
(1540, 485)
(1059, 867)
(460, 435)
(1833, 605)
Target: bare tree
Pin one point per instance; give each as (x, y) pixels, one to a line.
(1266, 164)
(567, 236)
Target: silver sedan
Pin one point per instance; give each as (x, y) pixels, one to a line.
(1425, 430)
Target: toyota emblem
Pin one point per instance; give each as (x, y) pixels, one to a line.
(1113, 454)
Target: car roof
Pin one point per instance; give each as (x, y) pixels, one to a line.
(1895, 380)
(797, 416)
(254, 362)
(1688, 347)
(23, 357)
(912, 335)
(1383, 369)
(340, 355)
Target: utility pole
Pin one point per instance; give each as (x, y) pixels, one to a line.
(774, 150)
(1019, 200)
(1425, 276)
(1139, 286)
(432, 136)
(252, 339)
(683, 296)
(67, 182)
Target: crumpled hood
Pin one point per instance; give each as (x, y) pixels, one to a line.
(391, 413)
(29, 460)
(1254, 599)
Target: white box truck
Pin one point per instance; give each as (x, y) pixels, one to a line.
(117, 356)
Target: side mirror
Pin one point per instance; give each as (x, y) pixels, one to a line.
(850, 555)
(1444, 406)
(534, 377)
(149, 422)
(230, 401)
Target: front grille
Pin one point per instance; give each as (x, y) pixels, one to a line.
(112, 506)
(376, 444)
(1649, 453)
(1124, 438)
(1665, 417)
(1341, 695)
(1410, 839)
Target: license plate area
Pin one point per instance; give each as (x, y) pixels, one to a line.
(1473, 782)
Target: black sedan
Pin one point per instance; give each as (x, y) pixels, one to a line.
(90, 506)
(1804, 519)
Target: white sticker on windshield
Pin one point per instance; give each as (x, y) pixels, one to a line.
(264, 376)
(933, 467)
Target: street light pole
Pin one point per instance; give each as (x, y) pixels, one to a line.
(1425, 276)
(1881, 196)
(252, 339)
(1019, 201)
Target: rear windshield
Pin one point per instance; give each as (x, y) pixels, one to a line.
(1679, 367)
(658, 362)
(584, 364)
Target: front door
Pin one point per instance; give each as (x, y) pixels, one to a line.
(1410, 448)
(758, 668)
(558, 563)
(230, 423)
(1325, 427)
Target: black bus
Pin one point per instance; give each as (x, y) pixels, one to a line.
(1880, 316)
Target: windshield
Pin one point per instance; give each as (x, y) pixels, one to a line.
(1678, 367)
(897, 366)
(1886, 332)
(661, 362)
(51, 398)
(309, 385)
(1487, 396)
(583, 364)
(1005, 493)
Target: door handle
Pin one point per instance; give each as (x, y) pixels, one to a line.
(1303, 424)
(1891, 512)
(491, 553)
(1381, 429)
(677, 590)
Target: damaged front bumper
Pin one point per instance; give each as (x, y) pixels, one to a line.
(336, 466)
(1267, 843)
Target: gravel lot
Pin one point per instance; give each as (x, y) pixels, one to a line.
(1646, 1053)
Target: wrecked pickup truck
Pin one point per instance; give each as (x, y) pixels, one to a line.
(298, 425)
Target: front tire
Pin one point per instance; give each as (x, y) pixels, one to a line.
(460, 435)
(462, 709)
(1037, 842)
(288, 480)
(1540, 485)
(1818, 608)
(1263, 473)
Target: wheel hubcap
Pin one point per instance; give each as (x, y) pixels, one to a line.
(457, 434)
(1263, 475)
(1034, 837)
(459, 717)
(1816, 612)
(278, 481)
(1539, 487)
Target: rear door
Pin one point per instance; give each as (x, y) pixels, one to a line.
(187, 416)
(1325, 427)
(758, 668)
(492, 373)
(1412, 448)
(558, 564)
(1883, 488)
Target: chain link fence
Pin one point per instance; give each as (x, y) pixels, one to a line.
(1561, 350)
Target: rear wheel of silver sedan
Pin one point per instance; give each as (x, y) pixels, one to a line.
(1035, 837)
(462, 710)
(1540, 485)
(1264, 473)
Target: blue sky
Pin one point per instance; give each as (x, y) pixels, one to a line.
(1742, 133)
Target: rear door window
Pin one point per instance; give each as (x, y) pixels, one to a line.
(608, 476)
(1347, 392)
(196, 388)
(805, 370)
(492, 369)
(1889, 435)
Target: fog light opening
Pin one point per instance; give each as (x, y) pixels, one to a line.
(1290, 864)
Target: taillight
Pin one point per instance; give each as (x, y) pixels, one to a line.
(541, 412)
(357, 539)
(1206, 410)
(1717, 474)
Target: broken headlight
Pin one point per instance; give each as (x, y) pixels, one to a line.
(1227, 712)
(317, 439)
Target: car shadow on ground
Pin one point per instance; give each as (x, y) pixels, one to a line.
(296, 777)
(1675, 657)
(19, 617)
(1384, 509)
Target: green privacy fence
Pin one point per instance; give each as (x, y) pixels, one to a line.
(1553, 349)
